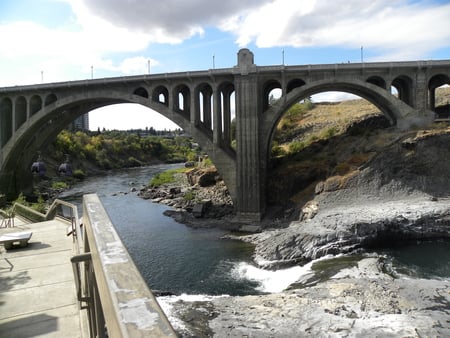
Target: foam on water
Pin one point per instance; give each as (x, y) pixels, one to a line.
(268, 280)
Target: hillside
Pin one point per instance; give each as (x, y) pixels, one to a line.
(315, 141)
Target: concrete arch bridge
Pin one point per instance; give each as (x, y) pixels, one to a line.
(202, 103)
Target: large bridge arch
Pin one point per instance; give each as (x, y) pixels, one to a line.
(45, 124)
(396, 111)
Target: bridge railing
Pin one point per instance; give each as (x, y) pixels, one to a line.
(118, 301)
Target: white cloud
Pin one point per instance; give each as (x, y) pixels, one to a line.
(397, 28)
(168, 21)
(29, 48)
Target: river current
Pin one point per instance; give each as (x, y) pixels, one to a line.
(175, 258)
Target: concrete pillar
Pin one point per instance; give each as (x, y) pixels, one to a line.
(432, 103)
(226, 116)
(195, 109)
(250, 171)
(420, 94)
(217, 120)
(207, 108)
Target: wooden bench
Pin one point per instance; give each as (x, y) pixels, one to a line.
(15, 239)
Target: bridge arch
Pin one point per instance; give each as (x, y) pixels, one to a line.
(20, 111)
(203, 106)
(161, 95)
(295, 83)
(49, 121)
(141, 91)
(394, 109)
(182, 99)
(6, 120)
(226, 92)
(35, 104)
(435, 82)
(404, 86)
(377, 80)
(49, 99)
(268, 87)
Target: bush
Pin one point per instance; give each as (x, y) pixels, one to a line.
(78, 173)
(189, 195)
(296, 146)
(59, 185)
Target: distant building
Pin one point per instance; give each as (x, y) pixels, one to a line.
(80, 123)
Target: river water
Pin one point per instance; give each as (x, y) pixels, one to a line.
(175, 258)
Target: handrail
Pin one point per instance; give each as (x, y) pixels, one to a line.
(51, 213)
(109, 285)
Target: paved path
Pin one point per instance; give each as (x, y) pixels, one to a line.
(37, 290)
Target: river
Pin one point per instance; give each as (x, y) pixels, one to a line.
(175, 258)
(170, 256)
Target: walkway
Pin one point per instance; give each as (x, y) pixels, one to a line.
(37, 290)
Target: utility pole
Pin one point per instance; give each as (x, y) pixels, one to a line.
(214, 61)
(362, 54)
(92, 72)
(282, 57)
(148, 66)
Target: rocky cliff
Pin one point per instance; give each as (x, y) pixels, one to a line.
(402, 193)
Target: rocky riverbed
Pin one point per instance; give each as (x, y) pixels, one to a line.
(362, 301)
(401, 194)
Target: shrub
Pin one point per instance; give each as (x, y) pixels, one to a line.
(296, 146)
(78, 173)
(59, 185)
(189, 195)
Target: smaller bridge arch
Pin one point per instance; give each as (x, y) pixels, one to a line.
(435, 82)
(377, 81)
(403, 84)
(294, 83)
(6, 120)
(182, 99)
(141, 91)
(20, 111)
(203, 106)
(49, 99)
(268, 87)
(161, 95)
(35, 104)
(226, 95)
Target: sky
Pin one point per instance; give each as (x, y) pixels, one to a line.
(61, 40)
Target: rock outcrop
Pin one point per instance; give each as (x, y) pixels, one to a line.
(355, 302)
(401, 194)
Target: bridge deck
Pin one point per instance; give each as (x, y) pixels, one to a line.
(37, 290)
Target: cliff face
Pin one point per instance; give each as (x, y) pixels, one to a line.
(401, 193)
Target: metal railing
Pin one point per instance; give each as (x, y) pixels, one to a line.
(109, 286)
(58, 208)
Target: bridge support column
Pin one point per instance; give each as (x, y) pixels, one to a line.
(250, 175)
(217, 119)
(421, 92)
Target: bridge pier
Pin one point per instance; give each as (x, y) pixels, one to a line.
(250, 174)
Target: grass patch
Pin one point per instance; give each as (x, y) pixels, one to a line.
(165, 177)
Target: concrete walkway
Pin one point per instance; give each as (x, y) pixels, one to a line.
(37, 289)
